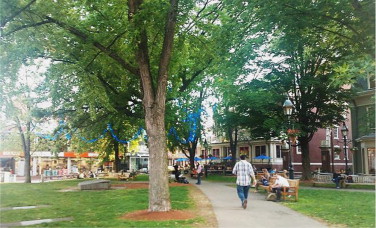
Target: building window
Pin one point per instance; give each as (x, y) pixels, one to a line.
(370, 117)
(244, 150)
(260, 150)
(226, 151)
(335, 132)
(203, 153)
(327, 134)
(298, 150)
(371, 82)
(278, 151)
(216, 153)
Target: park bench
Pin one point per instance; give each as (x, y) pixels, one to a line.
(291, 193)
(271, 182)
(124, 176)
(327, 178)
(293, 190)
(101, 175)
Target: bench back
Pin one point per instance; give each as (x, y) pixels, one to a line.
(323, 178)
(293, 183)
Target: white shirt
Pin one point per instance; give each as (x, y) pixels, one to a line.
(281, 182)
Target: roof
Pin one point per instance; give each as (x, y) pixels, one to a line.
(369, 137)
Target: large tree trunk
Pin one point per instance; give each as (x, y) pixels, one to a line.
(233, 136)
(117, 160)
(25, 139)
(154, 101)
(192, 154)
(306, 161)
(159, 195)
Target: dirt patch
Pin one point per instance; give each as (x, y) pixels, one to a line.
(159, 216)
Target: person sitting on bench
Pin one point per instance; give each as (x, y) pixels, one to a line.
(279, 183)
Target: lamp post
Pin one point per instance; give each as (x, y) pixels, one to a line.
(287, 110)
(206, 151)
(344, 131)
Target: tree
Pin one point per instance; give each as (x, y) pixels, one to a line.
(185, 127)
(135, 40)
(20, 98)
(312, 41)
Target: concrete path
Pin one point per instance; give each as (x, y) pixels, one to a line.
(260, 213)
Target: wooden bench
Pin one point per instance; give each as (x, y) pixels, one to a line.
(101, 175)
(287, 192)
(293, 190)
(271, 182)
(357, 179)
(124, 176)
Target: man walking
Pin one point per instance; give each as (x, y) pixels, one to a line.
(199, 173)
(243, 170)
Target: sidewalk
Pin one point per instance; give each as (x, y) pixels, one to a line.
(260, 213)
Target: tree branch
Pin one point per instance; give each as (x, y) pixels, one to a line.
(26, 26)
(167, 49)
(15, 14)
(96, 44)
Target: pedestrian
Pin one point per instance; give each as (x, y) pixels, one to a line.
(177, 173)
(243, 170)
(199, 173)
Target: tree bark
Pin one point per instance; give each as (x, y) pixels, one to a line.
(306, 161)
(233, 144)
(154, 101)
(159, 195)
(117, 160)
(25, 139)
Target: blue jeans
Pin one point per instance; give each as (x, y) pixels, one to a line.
(242, 192)
(198, 179)
(336, 181)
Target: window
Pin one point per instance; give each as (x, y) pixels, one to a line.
(278, 151)
(298, 150)
(371, 81)
(370, 117)
(216, 153)
(244, 150)
(203, 153)
(347, 152)
(327, 134)
(226, 151)
(260, 150)
(335, 132)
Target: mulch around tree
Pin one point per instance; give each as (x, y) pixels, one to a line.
(159, 216)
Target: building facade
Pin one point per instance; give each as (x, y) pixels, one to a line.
(363, 125)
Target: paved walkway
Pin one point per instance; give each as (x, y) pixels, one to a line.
(260, 213)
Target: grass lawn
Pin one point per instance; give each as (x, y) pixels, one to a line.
(352, 208)
(88, 208)
(221, 178)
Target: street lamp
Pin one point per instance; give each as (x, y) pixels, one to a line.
(287, 110)
(344, 131)
(206, 151)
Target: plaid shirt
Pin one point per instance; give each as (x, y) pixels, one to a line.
(243, 171)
